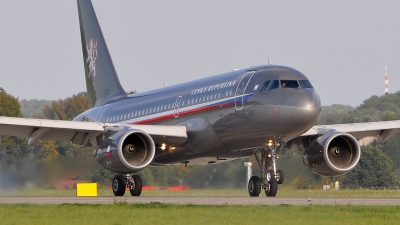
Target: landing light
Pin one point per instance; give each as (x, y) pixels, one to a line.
(163, 146)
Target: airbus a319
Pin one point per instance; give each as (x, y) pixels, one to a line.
(258, 111)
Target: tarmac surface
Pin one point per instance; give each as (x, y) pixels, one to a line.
(202, 200)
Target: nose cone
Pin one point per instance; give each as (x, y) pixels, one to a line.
(307, 98)
(304, 107)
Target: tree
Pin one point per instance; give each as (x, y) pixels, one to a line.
(9, 105)
(11, 148)
(375, 169)
(67, 109)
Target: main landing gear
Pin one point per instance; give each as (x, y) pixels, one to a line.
(120, 182)
(266, 158)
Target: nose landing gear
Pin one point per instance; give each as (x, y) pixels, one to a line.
(270, 177)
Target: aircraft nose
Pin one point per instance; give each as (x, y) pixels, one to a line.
(307, 98)
(304, 107)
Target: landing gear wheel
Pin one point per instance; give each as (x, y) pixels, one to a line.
(254, 186)
(270, 176)
(279, 176)
(272, 189)
(137, 190)
(119, 185)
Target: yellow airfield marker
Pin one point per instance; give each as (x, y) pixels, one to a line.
(86, 189)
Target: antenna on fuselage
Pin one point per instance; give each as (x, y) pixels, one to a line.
(269, 61)
(165, 84)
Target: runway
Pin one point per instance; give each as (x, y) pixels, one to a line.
(202, 200)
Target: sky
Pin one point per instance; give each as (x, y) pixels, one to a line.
(341, 46)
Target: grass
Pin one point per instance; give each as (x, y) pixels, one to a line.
(284, 191)
(157, 213)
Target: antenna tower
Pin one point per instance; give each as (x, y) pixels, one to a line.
(386, 81)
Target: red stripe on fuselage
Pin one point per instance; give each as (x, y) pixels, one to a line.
(183, 113)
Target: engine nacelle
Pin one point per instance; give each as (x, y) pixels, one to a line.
(126, 151)
(332, 154)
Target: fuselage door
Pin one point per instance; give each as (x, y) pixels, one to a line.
(176, 106)
(241, 88)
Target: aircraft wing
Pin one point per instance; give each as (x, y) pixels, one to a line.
(84, 133)
(383, 129)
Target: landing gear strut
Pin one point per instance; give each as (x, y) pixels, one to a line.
(266, 158)
(120, 182)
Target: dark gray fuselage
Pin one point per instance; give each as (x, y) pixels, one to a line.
(228, 116)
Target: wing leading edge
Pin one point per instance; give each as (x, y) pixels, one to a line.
(383, 129)
(84, 133)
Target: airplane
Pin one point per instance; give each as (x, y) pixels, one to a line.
(260, 111)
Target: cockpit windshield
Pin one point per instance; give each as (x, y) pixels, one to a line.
(305, 84)
(265, 86)
(289, 84)
(273, 84)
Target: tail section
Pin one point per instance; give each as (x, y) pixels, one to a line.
(102, 82)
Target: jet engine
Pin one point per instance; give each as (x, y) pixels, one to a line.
(332, 154)
(127, 151)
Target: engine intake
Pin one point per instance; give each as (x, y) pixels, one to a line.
(332, 154)
(127, 151)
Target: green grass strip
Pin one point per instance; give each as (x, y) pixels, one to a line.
(157, 213)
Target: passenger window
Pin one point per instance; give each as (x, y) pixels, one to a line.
(305, 84)
(289, 84)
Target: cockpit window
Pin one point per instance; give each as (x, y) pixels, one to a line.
(265, 85)
(305, 84)
(274, 84)
(289, 84)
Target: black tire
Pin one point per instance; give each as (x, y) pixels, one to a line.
(280, 176)
(272, 189)
(119, 185)
(254, 186)
(138, 186)
(270, 176)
